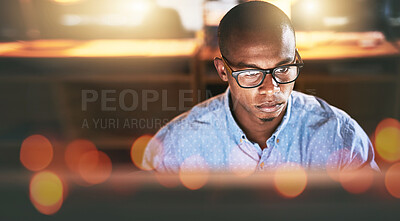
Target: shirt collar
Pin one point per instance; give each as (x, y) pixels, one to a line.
(285, 118)
(234, 129)
(237, 131)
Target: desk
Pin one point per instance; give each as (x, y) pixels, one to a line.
(130, 195)
(46, 77)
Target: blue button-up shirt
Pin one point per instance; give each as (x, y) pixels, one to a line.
(312, 134)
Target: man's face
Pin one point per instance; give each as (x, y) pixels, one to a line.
(260, 51)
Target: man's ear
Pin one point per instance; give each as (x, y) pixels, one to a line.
(220, 67)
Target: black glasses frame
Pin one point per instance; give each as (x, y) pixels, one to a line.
(271, 71)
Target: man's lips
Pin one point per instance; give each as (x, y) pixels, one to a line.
(269, 107)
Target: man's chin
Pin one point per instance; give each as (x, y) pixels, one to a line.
(267, 119)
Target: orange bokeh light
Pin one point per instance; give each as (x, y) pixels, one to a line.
(95, 167)
(290, 180)
(356, 181)
(336, 159)
(392, 180)
(194, 172)
(387, 139)
(36, 152)
(387, 122)
(75, 150)
(137, 152)
(167, 180)
(332, 166)
(46, 192)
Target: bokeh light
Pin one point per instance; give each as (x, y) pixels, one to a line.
(356, 181)
(167, 180)
(36, 152)
(95, 167)
(46, 192)
(75, 150)
(392, 180)
(138, 149)
(290, 180)
(387, 139)
(333, 164)
(194, 172)
(311, 7)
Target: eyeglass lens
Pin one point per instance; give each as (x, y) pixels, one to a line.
(282, 75)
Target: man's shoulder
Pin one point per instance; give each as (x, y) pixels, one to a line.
(313, 106)
(203, 116)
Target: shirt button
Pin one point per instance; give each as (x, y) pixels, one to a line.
(241, 140)
(277, 140)
(262, 165)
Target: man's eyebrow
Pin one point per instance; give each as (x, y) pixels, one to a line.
(245, 65)
(286, 61)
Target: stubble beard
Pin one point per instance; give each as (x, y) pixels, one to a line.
(267, 119)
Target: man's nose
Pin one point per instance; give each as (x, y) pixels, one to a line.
(269, 86)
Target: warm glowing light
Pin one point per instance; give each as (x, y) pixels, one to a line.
(152, 48)
(335, 158)
(387, 140)
(335, 21)
(47, 210)
(10, 47)
(46, 192)
(71, 20)
(290, 180)
(95, 167)
(137, 151)
(75, 150)
(311, 7)
(154, 152)
(387, 122)
(284, 5)
(167, 180)
(100, 48)
(67, 2)
(194, 172)
(114, 20)
(356, 181)
(392, 180)
(139, 6)
(36, 152)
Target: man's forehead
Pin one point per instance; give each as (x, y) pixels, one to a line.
(278, 40)
(274, 50)
(261, 60)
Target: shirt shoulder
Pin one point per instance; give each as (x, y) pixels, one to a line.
(202, 114)
(199, 119)
(314, 106)
(186, 134)
(337, 128)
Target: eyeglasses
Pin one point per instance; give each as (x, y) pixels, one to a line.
(251, 78)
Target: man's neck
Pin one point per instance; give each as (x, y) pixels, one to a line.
(256, 130)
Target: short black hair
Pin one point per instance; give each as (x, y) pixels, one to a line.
(254, 16)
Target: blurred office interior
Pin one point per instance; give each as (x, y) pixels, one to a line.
(107, 74)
